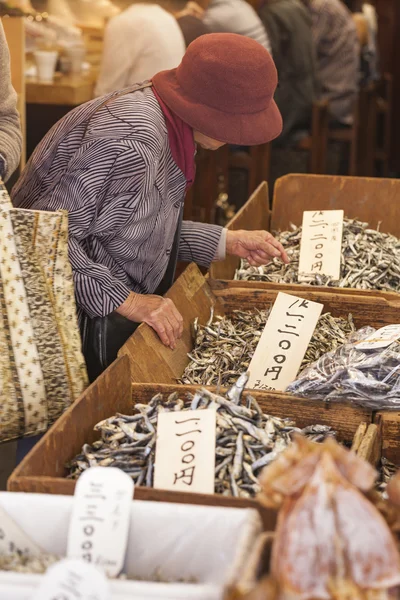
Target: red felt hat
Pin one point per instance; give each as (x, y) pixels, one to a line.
(224, 89)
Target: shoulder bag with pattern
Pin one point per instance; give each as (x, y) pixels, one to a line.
(42, 370)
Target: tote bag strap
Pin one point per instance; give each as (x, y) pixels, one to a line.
(5, 200)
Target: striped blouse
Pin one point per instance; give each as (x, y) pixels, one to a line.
(111, 168)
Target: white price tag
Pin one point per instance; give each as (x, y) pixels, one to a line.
(283, 342)
(73, 580)
(185, 451)
(99, 527)
(321, 243)
(381, 338)
(13, 539)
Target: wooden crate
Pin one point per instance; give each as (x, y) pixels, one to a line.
(389, 425)
(193, 295)
(371, 200)
(43, 470)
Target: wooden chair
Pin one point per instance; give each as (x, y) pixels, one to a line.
(348, 136)
(383, 116)
(255, 161)
(211, 179)
(317, 142)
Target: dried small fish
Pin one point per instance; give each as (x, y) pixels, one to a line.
(386, 471)
(370, 378)
(246, 440)
(21, 562)
(370, 261)
(224, 348)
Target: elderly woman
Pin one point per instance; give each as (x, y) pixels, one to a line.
(121, 165)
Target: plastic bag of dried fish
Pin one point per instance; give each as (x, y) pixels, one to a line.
(370, 378)
(224, 347)
(386, 471)
(247, 439)
(370, 261)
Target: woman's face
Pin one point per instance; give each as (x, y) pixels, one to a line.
(206, 142)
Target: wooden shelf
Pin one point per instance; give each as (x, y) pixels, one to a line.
(67, 90)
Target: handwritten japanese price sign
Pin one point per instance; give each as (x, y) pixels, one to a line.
(283, 342)
(14, 539)
(99, 527)
(185, 451)
(72, 579)
(380, 339)
(321, 243)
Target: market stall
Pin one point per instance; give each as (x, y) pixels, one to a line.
(255, 454)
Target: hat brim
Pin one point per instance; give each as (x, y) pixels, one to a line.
(249, 129)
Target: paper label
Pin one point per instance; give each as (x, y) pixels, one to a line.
(283, 342)
(72, 579)
(321, 243)
(381, 338)
(185, 451)
(99, 527)
(13, 539)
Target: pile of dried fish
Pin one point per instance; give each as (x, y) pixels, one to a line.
(386, 472)
(370, 378)
(20, 562)
(370, 261)
(247, 439)
(224, 347)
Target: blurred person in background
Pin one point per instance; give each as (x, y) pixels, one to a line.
(235, 16)
(10, 129)
(338, 57)
(289, 27)
(190, 19)
(138, 43)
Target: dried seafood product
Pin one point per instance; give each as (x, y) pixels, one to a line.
(224, 347)
(247, 439)
(387, 470)
(331, 542)
(21, 562)
(370, 378)
(370, 261)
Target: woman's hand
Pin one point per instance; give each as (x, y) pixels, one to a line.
(257, 247)
(158, 312)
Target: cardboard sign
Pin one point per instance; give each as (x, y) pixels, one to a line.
(99, 527)
(321, 243)
(13, 539)
(381, 338)
(73, 580)
(283, 342)
(185, 452)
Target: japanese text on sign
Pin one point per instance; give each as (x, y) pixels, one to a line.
(185, 452)
(381, 338)
(99, 527)
(72, 579)
(321, 243)
(283, 343)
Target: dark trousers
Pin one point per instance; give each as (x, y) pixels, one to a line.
(25, 445)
